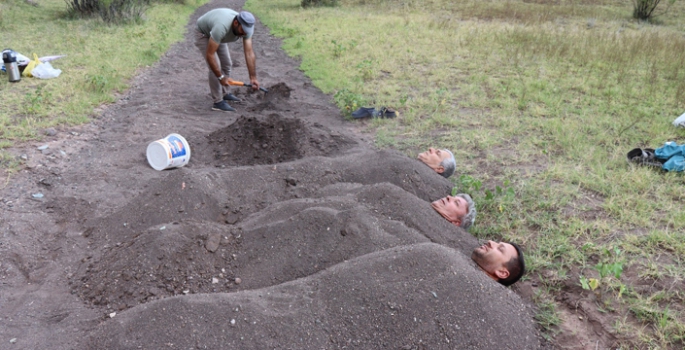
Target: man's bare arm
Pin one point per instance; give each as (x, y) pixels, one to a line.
(210, 56)
(250, 61)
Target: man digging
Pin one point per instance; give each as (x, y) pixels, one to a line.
(215, 29)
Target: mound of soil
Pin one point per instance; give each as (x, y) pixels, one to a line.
(251, 141)
(162, 261)
(286, 241)
(406, 307)
(279, 91)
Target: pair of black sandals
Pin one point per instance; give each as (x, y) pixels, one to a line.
(371, 112)
(645, 157)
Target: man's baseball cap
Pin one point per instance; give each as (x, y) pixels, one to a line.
(246, 19)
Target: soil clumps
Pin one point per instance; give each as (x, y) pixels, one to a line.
(250, 141)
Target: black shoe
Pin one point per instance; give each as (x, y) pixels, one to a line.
(388, 113)
(222, 106)
(644, 156)
(231, 97)
(364, 112)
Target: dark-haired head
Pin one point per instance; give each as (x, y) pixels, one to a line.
(516, 267)
(502, 261)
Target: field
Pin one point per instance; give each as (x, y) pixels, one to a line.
(540, 101)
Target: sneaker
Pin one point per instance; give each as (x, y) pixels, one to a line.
(370, 112)
(388, 113)
(364, 112)
(644, 156)
(222, 106)
(231, 97)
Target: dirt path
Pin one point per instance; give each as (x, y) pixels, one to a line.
(285, 230)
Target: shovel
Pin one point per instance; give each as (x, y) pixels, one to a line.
(240, 83)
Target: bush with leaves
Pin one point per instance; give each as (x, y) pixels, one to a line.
(111, 11)
(643, 9)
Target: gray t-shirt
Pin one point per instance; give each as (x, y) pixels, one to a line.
(217, 24)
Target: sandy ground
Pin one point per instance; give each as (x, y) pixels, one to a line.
(287, 229)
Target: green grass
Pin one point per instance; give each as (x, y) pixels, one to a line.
(100, 60)
(539, 98)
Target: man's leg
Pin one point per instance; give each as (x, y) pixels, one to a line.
(217, 91)
(226, 65)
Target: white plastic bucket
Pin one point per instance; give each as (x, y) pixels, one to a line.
(172, 151)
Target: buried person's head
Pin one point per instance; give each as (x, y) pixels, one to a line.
(440, 160)
(502, 261)
(460, 210)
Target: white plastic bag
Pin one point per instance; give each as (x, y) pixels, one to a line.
(680, 121)
(45, 71)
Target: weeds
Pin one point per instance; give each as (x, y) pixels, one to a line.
(609, 268)
(99, 83)
(339, 48)
(367, 69)
(497, 199)
(546, 314)
(348, 101)
(9, 163)
(36, 102)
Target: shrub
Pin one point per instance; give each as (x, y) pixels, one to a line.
(111, 11)
(83, 7)
(307, 3)
(642, 9)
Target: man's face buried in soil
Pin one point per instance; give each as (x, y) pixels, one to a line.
(433, 157)
(492, 257)
(452, 208)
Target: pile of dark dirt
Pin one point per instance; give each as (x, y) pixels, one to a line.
(381, 300)
(176, 196)
(288, 240)
(277, 99)
(162, 261)
(251, 141)
(278, 92)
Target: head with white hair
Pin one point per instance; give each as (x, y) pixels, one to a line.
(440, 160)
(460, 210)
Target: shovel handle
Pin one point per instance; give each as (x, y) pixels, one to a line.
(260, 88)
(240, 83)
(235, 82)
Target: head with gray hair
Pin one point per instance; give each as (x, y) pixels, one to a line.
(449, 165)
(460, 210)
(470, 217)
(440, 160)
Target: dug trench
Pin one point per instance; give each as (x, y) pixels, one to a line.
(287, 229)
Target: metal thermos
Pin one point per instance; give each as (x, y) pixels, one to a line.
(9, 57)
